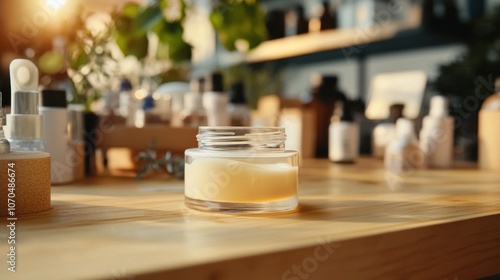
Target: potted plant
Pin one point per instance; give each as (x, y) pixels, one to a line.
(470, 79)
(88, 60)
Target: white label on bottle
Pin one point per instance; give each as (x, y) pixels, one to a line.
(343, 141)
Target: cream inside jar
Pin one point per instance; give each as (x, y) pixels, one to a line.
(241, 169)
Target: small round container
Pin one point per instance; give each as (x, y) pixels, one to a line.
(241, 169)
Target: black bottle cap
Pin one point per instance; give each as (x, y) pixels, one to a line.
(396, 112)
(125, 85)
(275, 24)
(237, 93)
(54, 98)
(302, 23)
(299, 10)
(327, 19)
(215, 82)
(347, 114)
(327, 86)
(329, 82)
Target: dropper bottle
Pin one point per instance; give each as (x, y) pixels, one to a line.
(24, 158)
(24, 123)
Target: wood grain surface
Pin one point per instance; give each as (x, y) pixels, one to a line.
(354, 222)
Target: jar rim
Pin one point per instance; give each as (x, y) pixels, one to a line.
(241, 138)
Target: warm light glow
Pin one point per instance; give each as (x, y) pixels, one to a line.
(98, 23)
(55, 4)
(156, 96)
(85, 70)
(99, 50)
(77, 78)
(141, 94)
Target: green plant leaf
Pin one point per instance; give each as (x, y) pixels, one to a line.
(51, 62)
(180, 52)
(131, 10)
(148, 18)
(136, 46)
(169, 32)
(163, 4)
(216, 19)
(124, 25)
(183, 10)
(171, 44)
(243, 20)
(162, 52)
(79, 58)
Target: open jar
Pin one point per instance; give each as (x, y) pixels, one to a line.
(241, 169)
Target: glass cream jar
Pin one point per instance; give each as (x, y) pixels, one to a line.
(241, 169)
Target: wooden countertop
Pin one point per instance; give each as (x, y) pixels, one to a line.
(351, 224)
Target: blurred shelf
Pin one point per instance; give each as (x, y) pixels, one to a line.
(322, 41)
(333, 44)
(349, 42)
